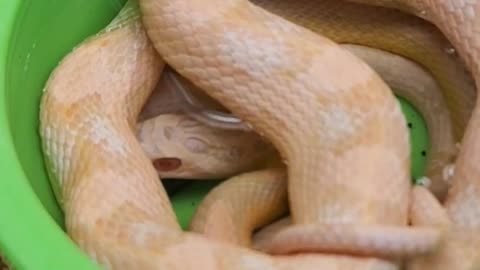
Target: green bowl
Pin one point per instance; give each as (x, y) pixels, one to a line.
(34, 36)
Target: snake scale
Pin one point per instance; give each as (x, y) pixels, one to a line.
(333, 120)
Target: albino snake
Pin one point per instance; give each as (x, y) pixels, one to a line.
(330, 116)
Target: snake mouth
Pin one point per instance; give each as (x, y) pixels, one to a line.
(389, 242)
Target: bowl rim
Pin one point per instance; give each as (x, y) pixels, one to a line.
(29, 236)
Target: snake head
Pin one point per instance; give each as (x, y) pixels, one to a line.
(182, 147)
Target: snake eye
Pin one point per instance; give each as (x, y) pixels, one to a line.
(167, 164)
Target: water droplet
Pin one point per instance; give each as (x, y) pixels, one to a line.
(448, 172)
(27, 62)
(450, 50)
(249, 126)
(245, 127)
(423, 13)
(425, 181)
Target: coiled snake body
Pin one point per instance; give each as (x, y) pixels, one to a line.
(333, 120)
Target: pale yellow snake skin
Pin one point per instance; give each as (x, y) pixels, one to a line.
(460, 22)
(340, 138)
(411, 38)
(202, 152)
(243, 203)
(205, 152)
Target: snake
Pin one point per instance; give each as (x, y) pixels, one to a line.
(207, 152)
(422, 43)
(118, 212)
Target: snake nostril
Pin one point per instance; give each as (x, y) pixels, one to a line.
(167, 164)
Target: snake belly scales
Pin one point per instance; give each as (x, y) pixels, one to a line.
(324, 109)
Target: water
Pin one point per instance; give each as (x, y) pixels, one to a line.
(450, 50)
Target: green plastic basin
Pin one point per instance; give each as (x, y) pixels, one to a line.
(34, 36)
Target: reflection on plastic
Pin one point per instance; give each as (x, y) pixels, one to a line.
(200, 112)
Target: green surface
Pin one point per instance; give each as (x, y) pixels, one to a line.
(34, 36)
(186, 201)
(419, 139)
